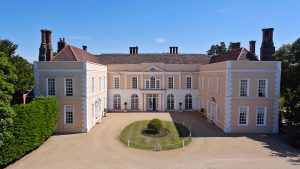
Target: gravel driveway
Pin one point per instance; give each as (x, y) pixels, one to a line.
(210, 148)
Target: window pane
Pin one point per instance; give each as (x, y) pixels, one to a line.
(134, 82)
(117, 82)
(244, 87)
(171, 82)
(261, 88)
(69, 114)
(189, 82)
(69, 87)
(51, 87)
(243, 116)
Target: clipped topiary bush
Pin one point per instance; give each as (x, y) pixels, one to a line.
(154, 125)
(32, 125)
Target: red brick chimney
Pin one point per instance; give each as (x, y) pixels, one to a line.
(46, 51)
(267, 49)
(252, 46)
(61, 44)
(234, 46)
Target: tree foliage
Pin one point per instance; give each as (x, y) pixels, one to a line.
(6, 121)
(8, 47)
(289, 55)
(214, 48)
(7, 79)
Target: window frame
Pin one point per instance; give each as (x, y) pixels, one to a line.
(248, 86)
(65, 115)
(137, 82)
(266, 88)
(170, 101)
(247, 115)
(187, 84)
(189, 102)
(65, 86)
(171, 86)
(47, 86)
(134, 105)
(117, 86)
(118, 102)
(265, 116)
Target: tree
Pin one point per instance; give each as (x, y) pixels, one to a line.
(214, 49)
(25, 82)
(7, 79)
(289, 55)
(8, 47)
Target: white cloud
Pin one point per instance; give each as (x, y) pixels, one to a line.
(76, 37)
(160, 40)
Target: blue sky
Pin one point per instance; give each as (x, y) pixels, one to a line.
(111, 26)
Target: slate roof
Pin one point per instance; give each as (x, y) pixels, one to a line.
(71, 53)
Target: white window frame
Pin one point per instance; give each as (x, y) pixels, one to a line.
(247, 115)
(137, 82)
(65, 114)
(47, 86)
(266, 88)
(65, 87)
(117, 85)
(170, 101)
(265, 116)
(248, 86)
(93, 85)
(147, 86)
(187, 85)
(171, 86)
(157, 81)
(218, 85)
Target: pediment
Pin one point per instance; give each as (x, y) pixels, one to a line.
(153, 69)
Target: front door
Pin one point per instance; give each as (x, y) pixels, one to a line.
(152, 102)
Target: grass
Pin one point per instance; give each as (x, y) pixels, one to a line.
(133, 132)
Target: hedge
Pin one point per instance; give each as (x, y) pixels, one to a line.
(32, 125)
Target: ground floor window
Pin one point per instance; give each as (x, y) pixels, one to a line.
(69, 114)
(117, 102)
(170, 102)
(243, 115)
(261, 116)
(134, 102)
(188, 101)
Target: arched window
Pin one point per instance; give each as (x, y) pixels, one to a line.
(188, 101)
(170, 102)
(134, 102)
(152, 82)
(117, 102)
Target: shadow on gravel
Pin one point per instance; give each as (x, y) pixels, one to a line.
(200, 127)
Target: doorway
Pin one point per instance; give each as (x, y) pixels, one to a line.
(152, 102)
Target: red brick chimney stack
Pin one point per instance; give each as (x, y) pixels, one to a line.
(267, 49)
(234, 46)
(61, 44)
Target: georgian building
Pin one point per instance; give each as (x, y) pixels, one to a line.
(234, 90)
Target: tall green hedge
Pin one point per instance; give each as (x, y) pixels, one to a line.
(32, 125)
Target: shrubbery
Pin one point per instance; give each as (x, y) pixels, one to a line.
(154, 125)
(32, 125)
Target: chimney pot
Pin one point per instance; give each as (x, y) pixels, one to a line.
(173, 50)
(134, 50)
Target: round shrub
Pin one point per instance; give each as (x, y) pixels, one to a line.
(154, 125)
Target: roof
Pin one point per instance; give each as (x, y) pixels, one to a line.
(237, 54)
(71, 53)
(151, 58)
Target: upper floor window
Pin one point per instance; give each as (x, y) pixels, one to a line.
(243, 115)
(218, 85)
(262, 88)
(189, 82)
(50, 87)
(69, 114)
(134, 82)
(93, 85)
(117, 82)
(153, 83)
(244, 87)
(171, 82)
(68, 87)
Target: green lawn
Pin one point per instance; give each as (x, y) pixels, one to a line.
(133, 132)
